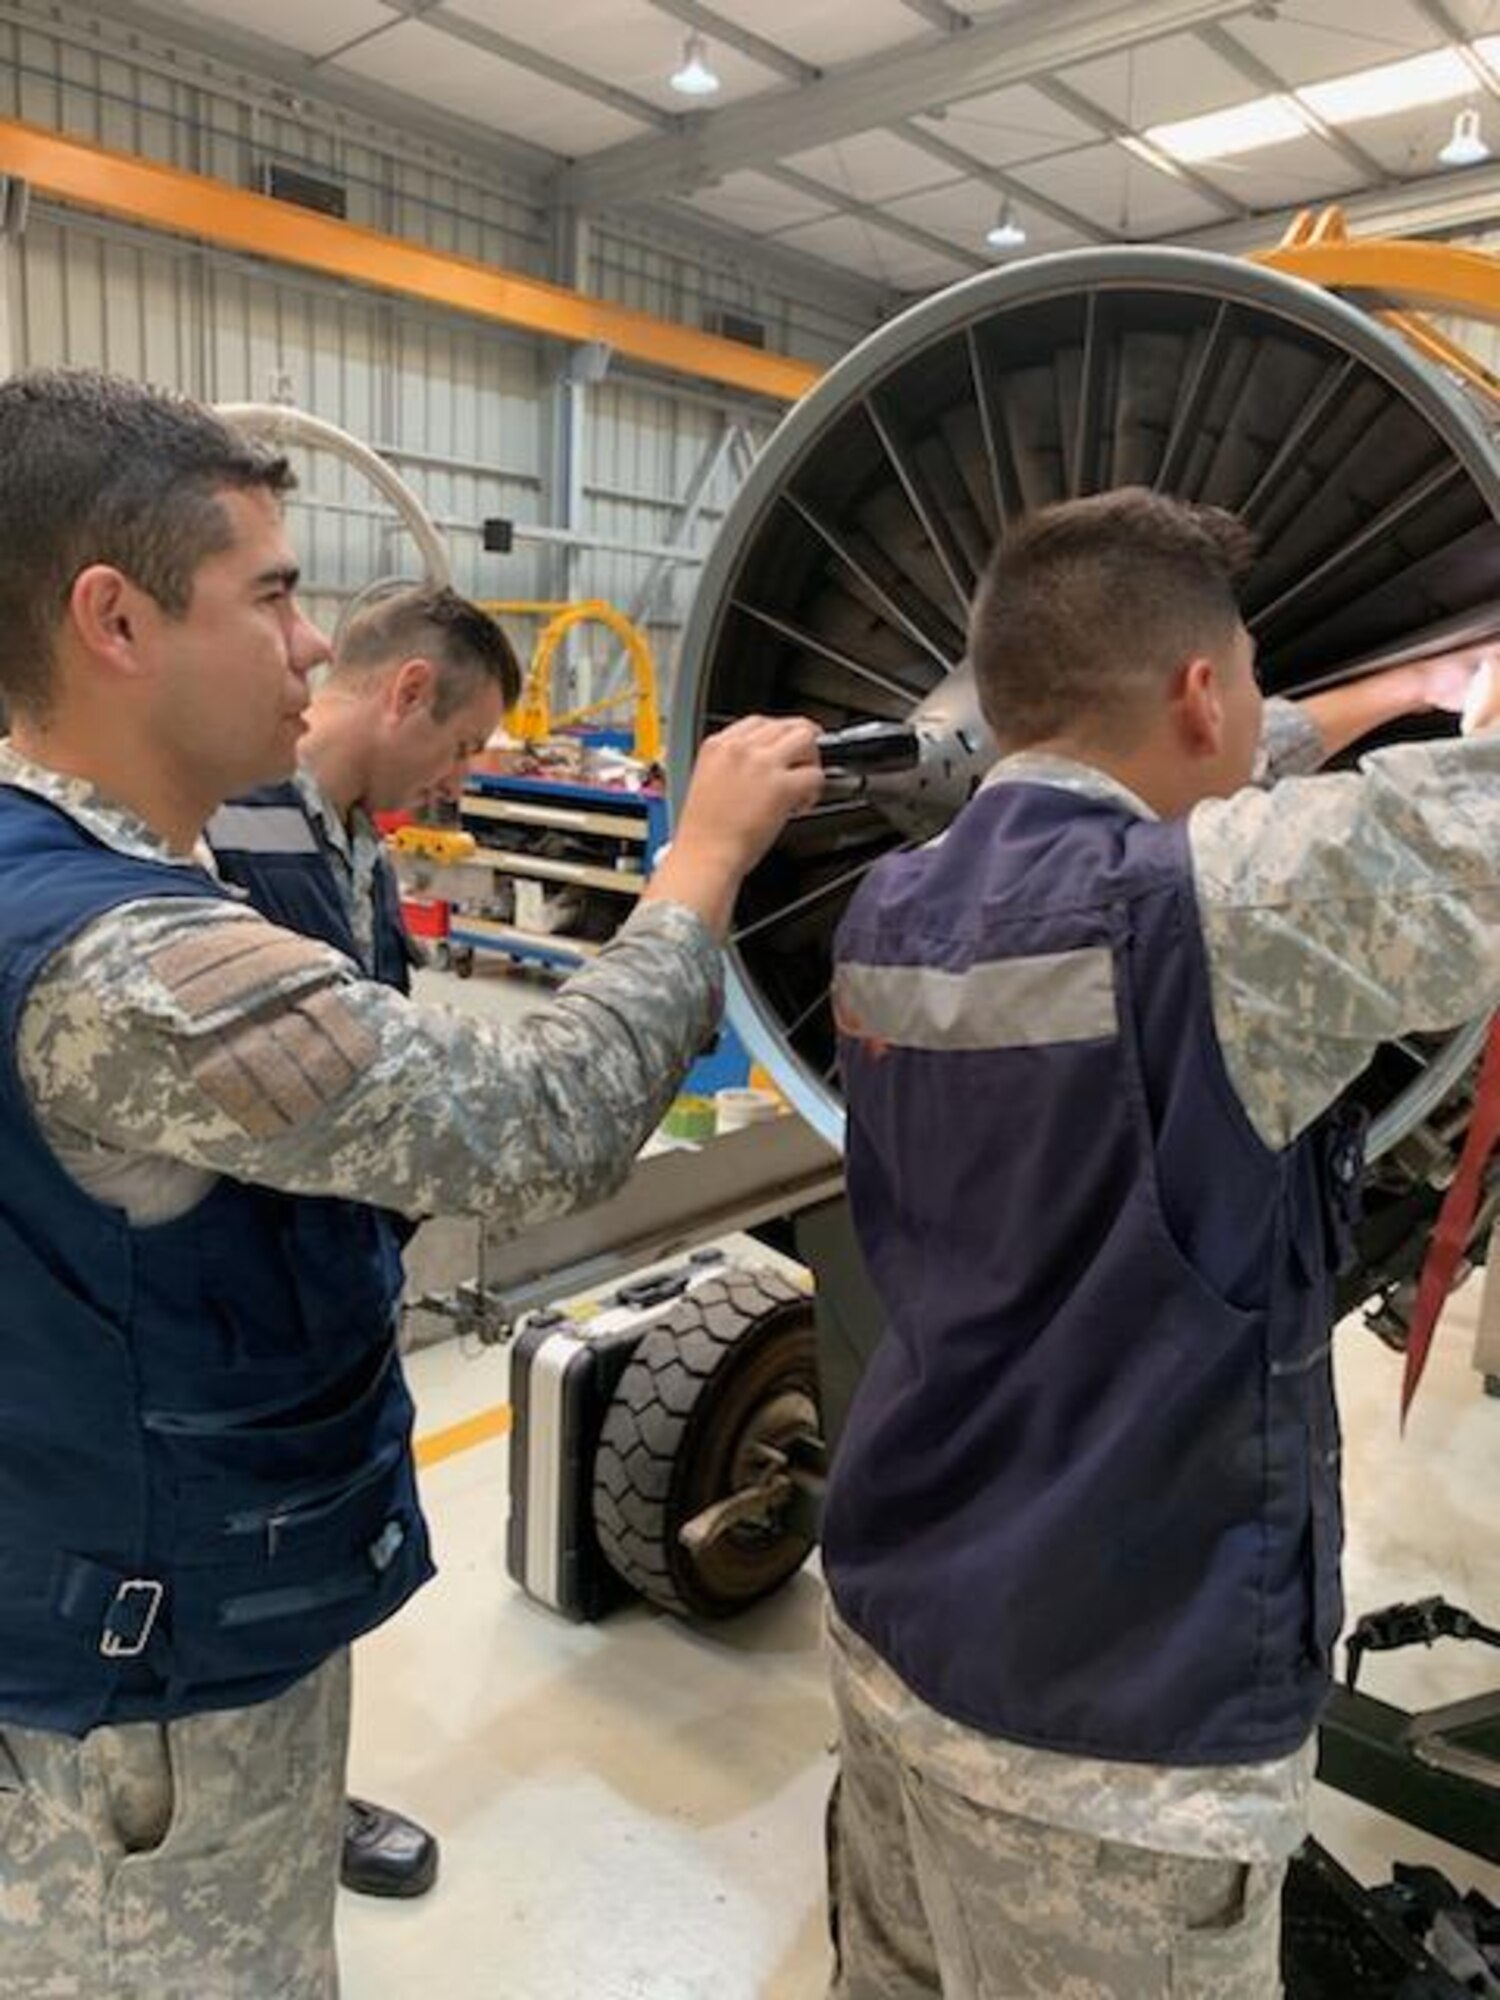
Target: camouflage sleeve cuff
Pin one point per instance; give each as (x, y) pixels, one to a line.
(1291, 744)
(684, 930)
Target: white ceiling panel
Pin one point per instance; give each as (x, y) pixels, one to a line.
(967, 209)
(1287, 176)
(1008, 125)
(753, 201)
(1322, 38)
(860, 246)
(309, 30)
(826, 31)
(873, 166)
(627, 43)
(1160, 82)
(1121, 194)
(448, 75)
(1048, 150)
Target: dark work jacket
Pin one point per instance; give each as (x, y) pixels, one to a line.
(206, 1483)
(267, 843)
(1088, 1494)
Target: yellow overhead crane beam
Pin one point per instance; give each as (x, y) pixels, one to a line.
(140, 191)
(1395, 278)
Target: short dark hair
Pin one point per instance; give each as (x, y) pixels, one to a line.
(97, 469)
(1087, 606)
(465, 643)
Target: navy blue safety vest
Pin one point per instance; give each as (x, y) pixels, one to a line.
(1088, 1493)
(268, 843)
(205, 1471)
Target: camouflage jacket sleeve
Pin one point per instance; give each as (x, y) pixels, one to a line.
(1291, 744)
(1341, 911)
(197, 1032)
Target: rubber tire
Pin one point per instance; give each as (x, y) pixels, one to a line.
(664, 1453)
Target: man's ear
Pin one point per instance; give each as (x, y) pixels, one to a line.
(412, 687)
(1198, 702)
(106, 611)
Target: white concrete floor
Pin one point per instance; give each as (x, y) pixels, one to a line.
(633, 1811)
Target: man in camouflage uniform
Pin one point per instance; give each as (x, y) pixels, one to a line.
(1082, 1532)
(419, 680)
(205, 1483)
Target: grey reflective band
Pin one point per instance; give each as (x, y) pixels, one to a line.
(262, 830)
(1002, 1003)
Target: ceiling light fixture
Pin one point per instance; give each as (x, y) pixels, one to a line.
(1466, 146)
(1005, 232)
(695, 77)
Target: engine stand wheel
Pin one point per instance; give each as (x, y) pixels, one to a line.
(712, 1395)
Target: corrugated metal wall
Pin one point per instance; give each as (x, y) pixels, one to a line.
(465, 411)
(455, 406)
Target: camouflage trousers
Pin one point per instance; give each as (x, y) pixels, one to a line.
(192, 1860)
(933, 1893)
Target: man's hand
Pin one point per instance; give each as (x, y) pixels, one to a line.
(1345, 713)
(747, 782)
(1481, 704)
(1444, 681)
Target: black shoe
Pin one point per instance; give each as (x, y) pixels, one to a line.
(385, 1854)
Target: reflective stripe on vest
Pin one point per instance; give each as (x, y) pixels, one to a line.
(254, 829)
(1060, 996)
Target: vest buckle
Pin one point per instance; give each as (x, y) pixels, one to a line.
(131, 1617)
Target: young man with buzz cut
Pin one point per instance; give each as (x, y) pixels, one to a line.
(1083, 1528)
(206, 1481)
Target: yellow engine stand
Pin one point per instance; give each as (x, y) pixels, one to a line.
(433, 843)
(532, 718)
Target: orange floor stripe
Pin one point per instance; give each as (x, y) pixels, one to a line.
(438, 1445)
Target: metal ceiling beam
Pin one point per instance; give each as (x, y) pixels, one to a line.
(770, 55)
(462, 29)
(809, 280)
(1442, 204)
(1437, 13)
(1066, 98)
(879, 218)
(354, 42)
(1002, 182)
(1249, 65)
(1028, 40)
(941, 15)
(241, 49)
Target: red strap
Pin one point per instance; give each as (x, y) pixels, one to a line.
(1455, 1218)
